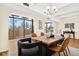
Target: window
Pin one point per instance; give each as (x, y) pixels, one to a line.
(19, 27)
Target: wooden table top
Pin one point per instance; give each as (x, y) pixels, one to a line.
(48, 41)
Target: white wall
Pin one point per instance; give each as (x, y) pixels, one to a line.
(3, 29)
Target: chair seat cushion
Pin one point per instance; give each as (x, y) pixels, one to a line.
(30, 52)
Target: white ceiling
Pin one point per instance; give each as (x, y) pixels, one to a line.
(64, 9)
(37, 9)
(40, 7)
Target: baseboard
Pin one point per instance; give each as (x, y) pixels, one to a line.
(77, 39)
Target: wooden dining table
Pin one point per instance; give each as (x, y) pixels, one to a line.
(48, 41)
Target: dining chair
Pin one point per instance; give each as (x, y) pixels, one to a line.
(60, 48)
(34, 35)
(67, 46)
(28, 48)
(42, 34)
(59, 43)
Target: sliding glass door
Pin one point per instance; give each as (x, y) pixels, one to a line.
(11, 28)
(19, 27)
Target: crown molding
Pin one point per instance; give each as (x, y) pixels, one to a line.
(64, 6)
(68, 14)
(71, 16)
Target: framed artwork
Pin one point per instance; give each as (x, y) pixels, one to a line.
(69, 25)
(72, 25)
(66, 25)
